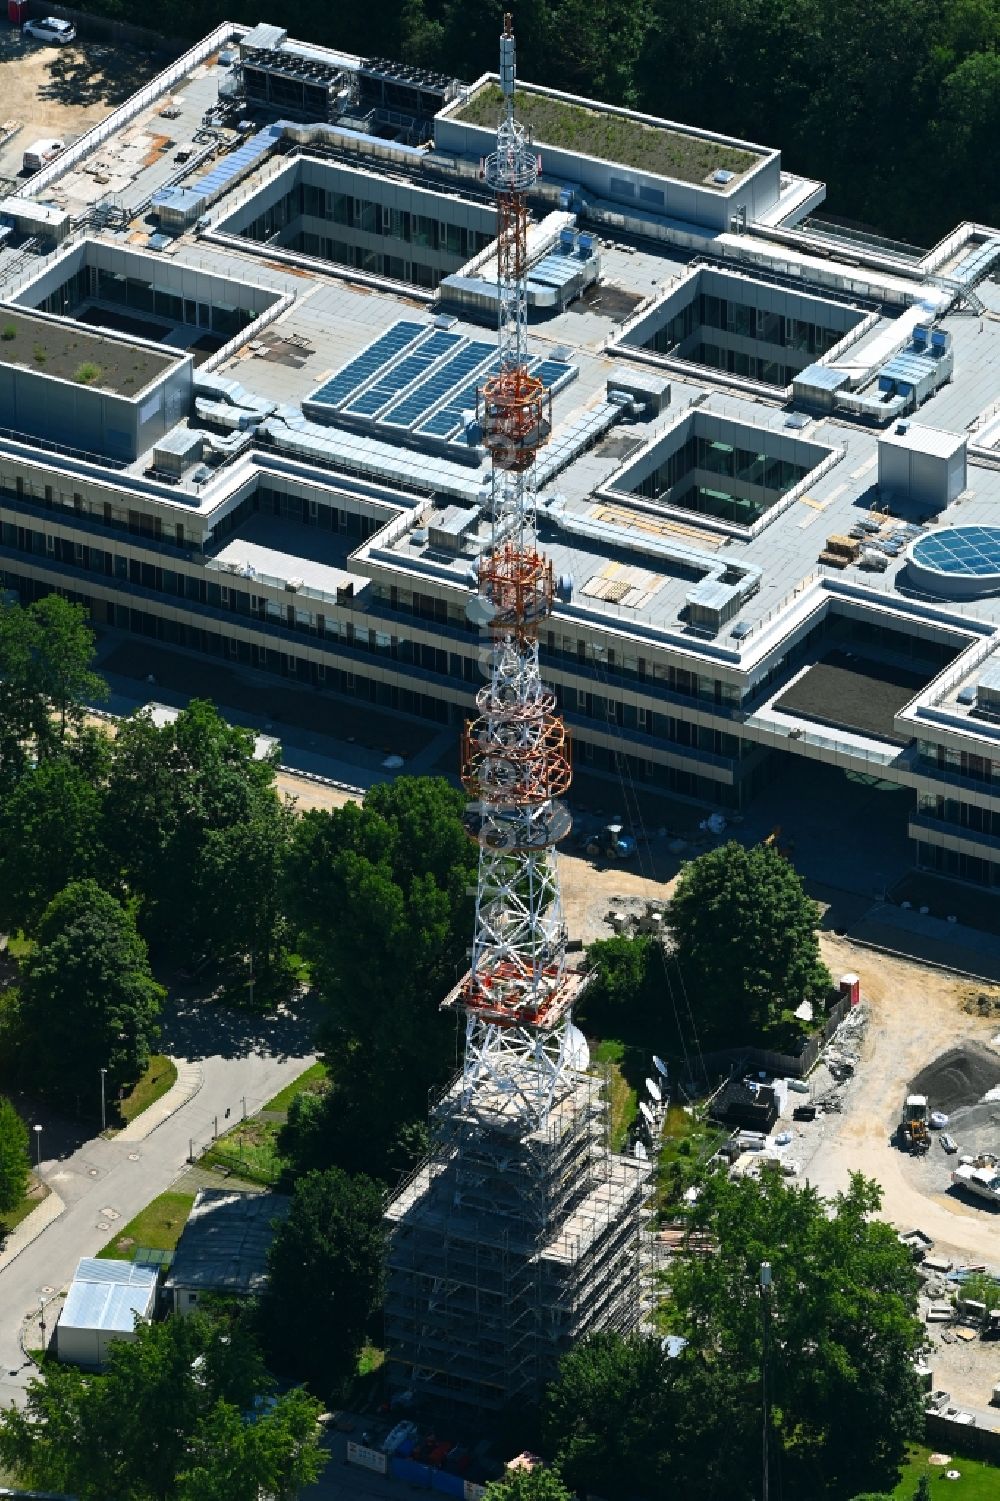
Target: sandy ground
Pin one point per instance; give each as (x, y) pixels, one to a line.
(62, 91)
(916, 1013)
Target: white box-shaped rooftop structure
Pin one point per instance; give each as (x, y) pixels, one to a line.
(636, 160)
(104, 1301)
(922, 464)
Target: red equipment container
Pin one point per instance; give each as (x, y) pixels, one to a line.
(850, 986)
(17, 12)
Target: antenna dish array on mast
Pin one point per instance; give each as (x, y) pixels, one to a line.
(518, 995)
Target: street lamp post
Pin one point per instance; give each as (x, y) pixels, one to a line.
(104, 1122)
(38, 1152)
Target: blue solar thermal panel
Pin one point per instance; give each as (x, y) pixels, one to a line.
(347, 381)
(970, 550)
(453, 372)
(444, 422)
(399, 375)
(551, 373)
(237, 162)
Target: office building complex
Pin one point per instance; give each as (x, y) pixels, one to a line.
(245, 326)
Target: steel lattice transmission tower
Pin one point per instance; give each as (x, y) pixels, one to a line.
(517, 996)
(521, 1233)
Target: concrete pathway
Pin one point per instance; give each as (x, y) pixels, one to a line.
(190, 1078)
(31, 1227)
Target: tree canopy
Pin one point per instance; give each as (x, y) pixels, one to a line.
(538, 1484)
(325, 1277)
(380, 896)
(88, 999)
(14, 1159)
(198, 833)
(46, 679)
(182, 1414)
(840, 1331)
(746, 944)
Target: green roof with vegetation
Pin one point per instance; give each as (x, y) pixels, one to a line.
(73, 352)
(610, 137)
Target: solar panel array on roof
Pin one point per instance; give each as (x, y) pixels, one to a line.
(970, 550)
(399, 376)
(238, 162)
(448, 418)
(462, 363)
(368, 363)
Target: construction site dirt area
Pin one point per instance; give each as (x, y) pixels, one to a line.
(59, 92)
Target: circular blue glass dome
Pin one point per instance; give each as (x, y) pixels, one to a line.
(957, 562)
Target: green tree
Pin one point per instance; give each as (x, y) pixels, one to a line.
(841, 1331)
(330, 1247)
(746, 944)
(539, 1484)
(625, 996)
(197, 831)
(88, 999)
(163, 1424)
(609, 1417)
(380, 896)
(15, 1163)
(50, 835)
(923, 1490)
(235, 1460)
(63, 651)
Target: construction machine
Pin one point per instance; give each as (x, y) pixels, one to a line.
(913, 1132)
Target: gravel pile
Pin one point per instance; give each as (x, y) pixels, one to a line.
(959, 1077)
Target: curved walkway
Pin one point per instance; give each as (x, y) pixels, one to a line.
(190, 1078)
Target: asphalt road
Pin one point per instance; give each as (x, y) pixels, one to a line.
(241, 1058)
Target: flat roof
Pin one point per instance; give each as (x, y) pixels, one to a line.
(611, 135)
(108, 1295)
(224, 1245)
(68, 351)
(916, 438)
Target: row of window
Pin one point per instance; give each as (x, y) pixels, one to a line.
(933, 757)
(372, 262)
(960, 866)
(750, 366)
(746, 321)
(368, 217)
(767, 477)
(962, 815)
(94, 283)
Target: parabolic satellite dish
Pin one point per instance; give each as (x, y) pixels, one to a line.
(577, 1051)
(660, 1066)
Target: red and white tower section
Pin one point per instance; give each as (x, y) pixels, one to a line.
(518, 994)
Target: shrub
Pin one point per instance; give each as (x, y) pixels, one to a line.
(87, 373)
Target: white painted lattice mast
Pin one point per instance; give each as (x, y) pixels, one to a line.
(518, 994)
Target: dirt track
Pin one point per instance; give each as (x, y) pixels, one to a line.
(916, 1013)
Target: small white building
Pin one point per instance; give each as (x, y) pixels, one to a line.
(104, 1301)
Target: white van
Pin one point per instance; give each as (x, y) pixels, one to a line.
(40, 154)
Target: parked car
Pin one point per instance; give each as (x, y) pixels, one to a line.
(51, 29)
(948, 1142)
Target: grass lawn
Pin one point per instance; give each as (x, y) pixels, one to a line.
(979, 1482)
(611, 1056)
(157, 1227)
(686, 1144)
(609, 137)
(313, 1081)
(19, 947)
(160, 1075)
(34, 1196)
(251, 1150)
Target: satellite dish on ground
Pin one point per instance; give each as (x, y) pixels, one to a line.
(577, 1051)
(660, 1066)
(654, 1090)
(647, 1114)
